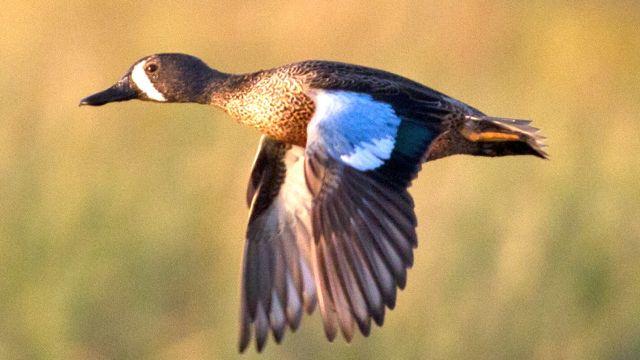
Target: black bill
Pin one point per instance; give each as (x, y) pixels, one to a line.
(121, 91)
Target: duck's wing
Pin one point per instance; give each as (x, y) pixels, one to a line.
(361, 156)
(277, 281)
(333, 220)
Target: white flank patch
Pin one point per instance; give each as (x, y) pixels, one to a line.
(368, 156)
(143, 83)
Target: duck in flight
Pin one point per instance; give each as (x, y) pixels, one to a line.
(331, 221)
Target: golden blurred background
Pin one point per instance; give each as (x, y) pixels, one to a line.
(122, 227)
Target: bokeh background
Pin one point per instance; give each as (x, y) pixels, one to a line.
(121, 227)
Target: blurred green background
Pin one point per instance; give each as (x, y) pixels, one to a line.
(121, 227)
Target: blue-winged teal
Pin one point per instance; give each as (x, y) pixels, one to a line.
(331, 220)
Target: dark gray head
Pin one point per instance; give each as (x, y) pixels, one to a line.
(162, 78)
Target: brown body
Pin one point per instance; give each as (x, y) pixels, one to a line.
(278, 103)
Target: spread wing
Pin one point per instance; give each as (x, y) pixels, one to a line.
(277, 281)
(360, 158)
(333, 221)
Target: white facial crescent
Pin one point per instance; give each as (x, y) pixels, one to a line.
(140, 78)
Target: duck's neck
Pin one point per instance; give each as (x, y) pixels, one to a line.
(210, 93)
(224, 87)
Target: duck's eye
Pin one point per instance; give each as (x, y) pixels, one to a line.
(151, 68)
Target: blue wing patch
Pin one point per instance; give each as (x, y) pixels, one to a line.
(354, 128)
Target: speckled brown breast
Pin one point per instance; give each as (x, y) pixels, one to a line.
(275, 103)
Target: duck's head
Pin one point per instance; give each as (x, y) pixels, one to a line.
(161, 78)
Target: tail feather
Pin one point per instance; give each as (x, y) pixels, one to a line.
(505, 136)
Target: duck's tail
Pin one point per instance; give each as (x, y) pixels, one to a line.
(501, 136)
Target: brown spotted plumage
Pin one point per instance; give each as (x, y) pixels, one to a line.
(273, 102)
(331, 220)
